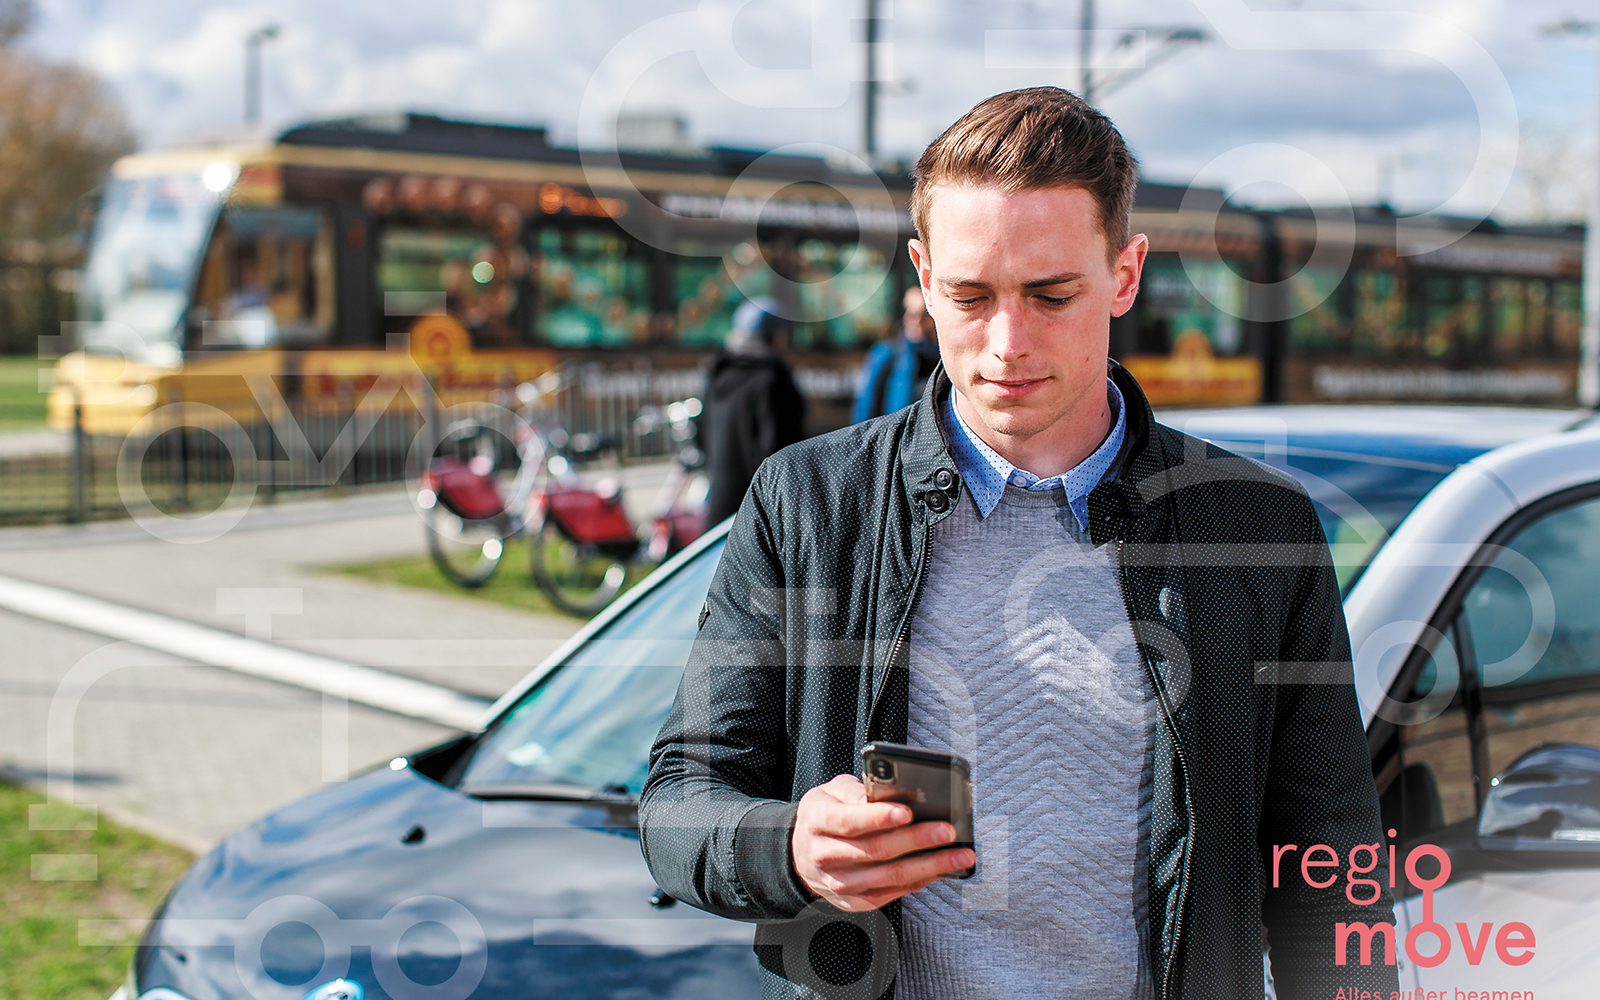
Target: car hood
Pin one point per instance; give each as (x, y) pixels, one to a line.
(410, 888)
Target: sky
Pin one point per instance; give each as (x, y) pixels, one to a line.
(1462, 107)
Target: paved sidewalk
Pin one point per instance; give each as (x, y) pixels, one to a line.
(188, 752)
(198, 751)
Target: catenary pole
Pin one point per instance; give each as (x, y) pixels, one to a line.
(1086, 52)
(1589, 346)
(869, 115)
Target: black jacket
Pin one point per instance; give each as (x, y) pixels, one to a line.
(752, 409)
(801, 658)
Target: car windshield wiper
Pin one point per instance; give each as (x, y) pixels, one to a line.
(611, 795)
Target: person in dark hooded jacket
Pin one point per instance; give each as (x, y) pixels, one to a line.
(752, 406)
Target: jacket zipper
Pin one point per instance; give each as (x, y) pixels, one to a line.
(1183, 764)
(904, 631)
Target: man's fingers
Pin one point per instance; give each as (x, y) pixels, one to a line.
(897, 878)
(885, 846)
(858, 819)
(846, 788)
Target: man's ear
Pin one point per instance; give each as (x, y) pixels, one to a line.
(918, 251)
(1126, 270)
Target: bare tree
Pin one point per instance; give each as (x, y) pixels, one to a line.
(1553, 183)
(60, 130)
(16, 17)
(59, 133)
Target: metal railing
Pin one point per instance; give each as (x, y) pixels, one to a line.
(604, 400)
(189, 466)
(193, 464)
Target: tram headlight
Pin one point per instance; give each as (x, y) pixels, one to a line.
(218, 177)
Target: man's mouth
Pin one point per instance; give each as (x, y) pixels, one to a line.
(1012, 386)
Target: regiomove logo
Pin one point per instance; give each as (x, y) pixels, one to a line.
(1514, 943)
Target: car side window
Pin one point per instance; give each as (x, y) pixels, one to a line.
(1434, 793)
(1533, 623)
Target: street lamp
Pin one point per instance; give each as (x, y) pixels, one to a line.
(1589, 347)
(252, 70)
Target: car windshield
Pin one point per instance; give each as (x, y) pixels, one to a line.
(590, 723)
(1360, 498)
(143, 258)
(1366, 467)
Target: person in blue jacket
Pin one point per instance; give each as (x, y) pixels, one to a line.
(897, 369)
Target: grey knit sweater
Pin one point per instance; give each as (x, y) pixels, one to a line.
(1022, 661)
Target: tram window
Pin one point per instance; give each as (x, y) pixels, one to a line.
(1380, 312)
(1319, 328)
(1538, 322)
(844, 297)
(267, 278)
(1508, 311)
(840, 290)
(711, 281)
(477, 278)
(1566, 318)
(1528, 324)
(594, 288)
(1453, 321)
(148, 239)
(1176, 304)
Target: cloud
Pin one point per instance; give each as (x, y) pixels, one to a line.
(178, 66)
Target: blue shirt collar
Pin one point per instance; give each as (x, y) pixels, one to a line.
(986, 473)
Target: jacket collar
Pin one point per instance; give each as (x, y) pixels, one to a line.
(1114, 505)
(929, 454)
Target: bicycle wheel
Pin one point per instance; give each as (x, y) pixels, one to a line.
(468, 552)
(578, 579)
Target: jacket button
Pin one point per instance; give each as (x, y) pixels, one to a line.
(937, 502)
(944, 479)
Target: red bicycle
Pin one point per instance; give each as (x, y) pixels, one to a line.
(583, 541)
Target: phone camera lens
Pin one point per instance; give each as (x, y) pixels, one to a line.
(883, 770)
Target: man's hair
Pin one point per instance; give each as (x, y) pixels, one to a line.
(1025, 140)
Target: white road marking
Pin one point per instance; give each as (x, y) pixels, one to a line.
(219, 648)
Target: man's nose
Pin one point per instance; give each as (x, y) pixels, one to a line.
(1008, 331)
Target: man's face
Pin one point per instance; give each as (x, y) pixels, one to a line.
(1023, 291)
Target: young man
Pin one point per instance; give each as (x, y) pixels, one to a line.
(897, 370)
(1090, 607)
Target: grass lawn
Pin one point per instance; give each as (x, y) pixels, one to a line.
(512, 584)
(40, 954)
(21, 402)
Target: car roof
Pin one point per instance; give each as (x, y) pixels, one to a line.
(1443, 435)
(1393, 605)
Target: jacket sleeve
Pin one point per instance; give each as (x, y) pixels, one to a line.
(715, 819)
(1320, 791)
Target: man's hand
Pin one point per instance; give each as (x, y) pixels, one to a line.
(849, 851)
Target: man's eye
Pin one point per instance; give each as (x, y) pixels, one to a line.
(1055, 300)
(966, 303)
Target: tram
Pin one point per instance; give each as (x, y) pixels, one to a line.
(475, 256)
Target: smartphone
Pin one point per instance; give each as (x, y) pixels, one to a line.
(936, 785)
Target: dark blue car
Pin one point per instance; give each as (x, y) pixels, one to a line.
(505, 863)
